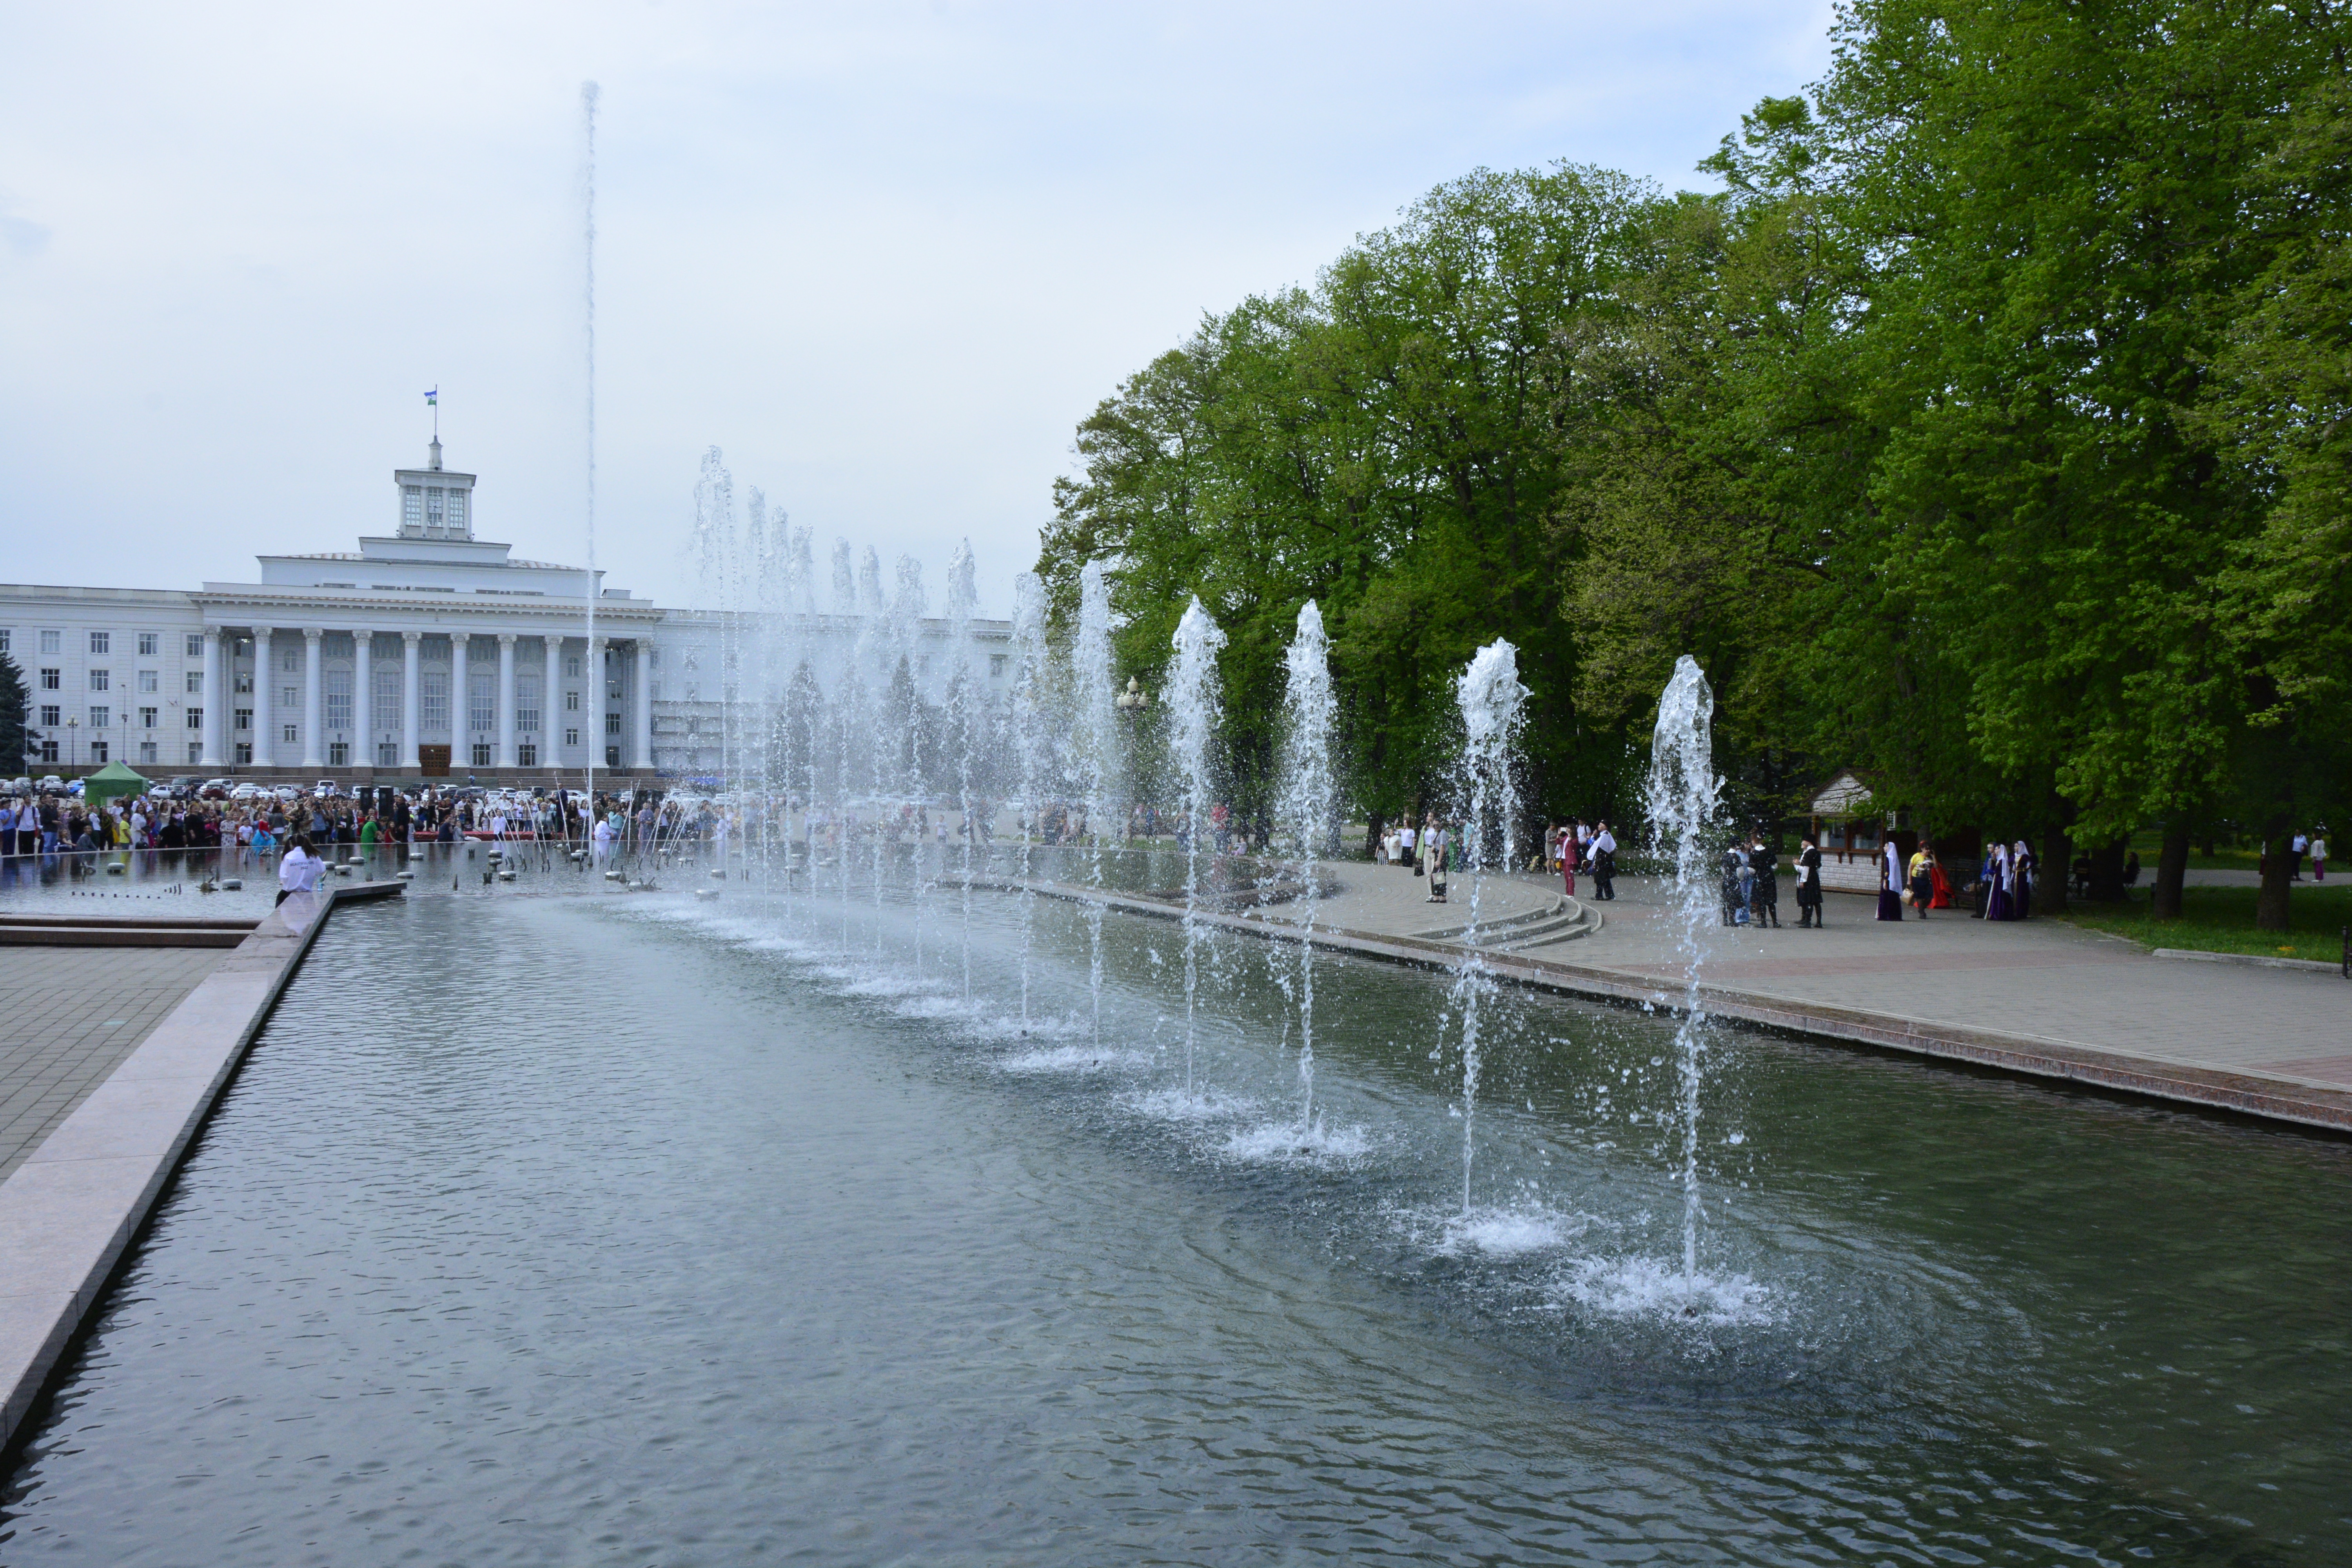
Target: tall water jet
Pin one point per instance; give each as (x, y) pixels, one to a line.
(1193, 705)
(844, 706)
(1029, 740)
(589, 93)
(1097, 741)
(1491, 699)
(1681, 797)
(1306, 808)
(963, 594)
(903, 695)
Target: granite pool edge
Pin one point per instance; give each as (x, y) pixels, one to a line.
(2207, 1089)
(69, 1213)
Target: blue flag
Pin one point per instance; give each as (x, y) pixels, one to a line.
(433, 399)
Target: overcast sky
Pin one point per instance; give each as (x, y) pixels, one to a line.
(886, 255)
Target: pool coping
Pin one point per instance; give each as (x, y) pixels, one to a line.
(2271, 1098)
(69, 1213)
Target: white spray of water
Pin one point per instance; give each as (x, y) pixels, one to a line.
(963, 593)
(1681, 797)
(1029, 738)
(589, 93)
(1097, 742)
(1306, 807)
(1491, 699)
(1193, 705)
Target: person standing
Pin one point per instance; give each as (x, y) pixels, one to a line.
(2319, 853)
(1809, 886)
(1890, 881)
(1567, 859)
(1765, 900)
(1433, 838)
(1604, 862)
(2020, 881)
(1922, 881)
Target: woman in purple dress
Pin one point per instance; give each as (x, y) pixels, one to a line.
(1996, 904)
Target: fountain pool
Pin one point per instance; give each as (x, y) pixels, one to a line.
(687, 1233)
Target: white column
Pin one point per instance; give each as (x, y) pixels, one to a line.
(363, 698)
(551, 707)
(506, 701)
(314, 751)
(461, 748)
(644, 706)
(594, 666)
(412, 695)
(212, 696)
(264, 749)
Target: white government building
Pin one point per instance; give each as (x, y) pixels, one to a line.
(425, 653)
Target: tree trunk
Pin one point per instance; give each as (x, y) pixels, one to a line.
(1372, 836)
(2171, 870)
(2057, 867)
(2278, 864)
(2107, 873)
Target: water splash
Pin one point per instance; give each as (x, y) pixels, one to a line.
(1681, 797)
(1492, 702)
(1306, 806)
(1193, 703)
(1029, 738)
(963, 593)
(1097, 742)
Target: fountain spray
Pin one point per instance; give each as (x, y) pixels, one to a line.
(1491, 699)
(1098, 745)
(1193, 700)
(963, 593)
(1681, 797)
(1028, 697)
(589, 93)
(1306, 806)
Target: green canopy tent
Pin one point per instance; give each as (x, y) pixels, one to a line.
(109, 783)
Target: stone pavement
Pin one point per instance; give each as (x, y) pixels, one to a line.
(2036, 980)
(74, 1012)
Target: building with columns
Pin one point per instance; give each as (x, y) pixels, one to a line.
(425, 653)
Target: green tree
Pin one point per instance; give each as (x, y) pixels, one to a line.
(15, 708)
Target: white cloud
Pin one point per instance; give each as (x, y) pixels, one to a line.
(885, 256)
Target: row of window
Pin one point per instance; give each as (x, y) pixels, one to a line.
(150, 643)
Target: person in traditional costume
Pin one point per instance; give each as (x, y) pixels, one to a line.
(1809, 887)
(1996, 898)
(2021, 882)
(1890, 881)
(1923, 886)
(1567, 859)
(1433, 838)
(1604, 862)
(1764, 898)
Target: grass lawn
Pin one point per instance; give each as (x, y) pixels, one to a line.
(2221, 920)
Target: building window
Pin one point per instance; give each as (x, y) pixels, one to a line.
(244, 718)
(527, 756)
(49, 752)
(3, 640)
(457, 509)
(412, 505)
(571, 737)
(996, 662)
(293, 732)
(148, 682)
(51, 714)
(433, 500)
(338, 700)
(245, 683)
(100, 717)
(100, 641)
(571, 702)
(150, 644)
(434, 691)
(338, 753)
(195, 752)
(194, 680)
(481, 699)
(290, 697)
(387, 697)
(387, 755)
(481, 753)
(147, 752)
(290, 661)
(100, 681)
(526, 705)
(196, 645)
(49, 642)
(51, 677)
(612, 723)
(571, 663)
(98, 752)
(196, 717)
(613, 758)
(245, 754)
(147, 717)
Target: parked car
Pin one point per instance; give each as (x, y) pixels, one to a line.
(245, 792)
(288, 794)
(325, 789)
(52, 784)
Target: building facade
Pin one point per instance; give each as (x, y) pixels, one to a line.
(425, 653)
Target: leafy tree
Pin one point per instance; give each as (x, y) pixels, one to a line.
(15, 707)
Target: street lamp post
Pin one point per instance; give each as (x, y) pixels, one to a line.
(73, 745)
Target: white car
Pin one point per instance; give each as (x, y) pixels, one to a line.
(288, 794)
(245, 792)
(325, 789)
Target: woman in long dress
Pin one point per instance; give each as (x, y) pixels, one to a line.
(2021, 879)
(1890, 881)
(1567, 860)
(1996, 885)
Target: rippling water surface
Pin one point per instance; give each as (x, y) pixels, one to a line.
(641, 1230)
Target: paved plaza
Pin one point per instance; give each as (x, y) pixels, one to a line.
(74, 1014)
